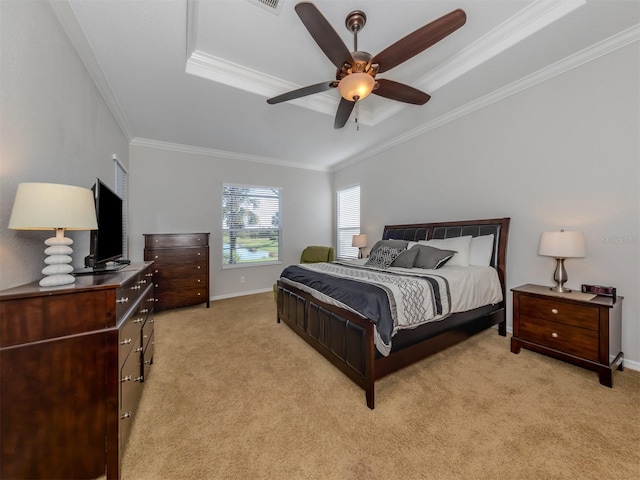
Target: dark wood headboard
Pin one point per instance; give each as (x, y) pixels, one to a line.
(426, 231)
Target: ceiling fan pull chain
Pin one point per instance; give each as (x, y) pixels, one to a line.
(357, 115)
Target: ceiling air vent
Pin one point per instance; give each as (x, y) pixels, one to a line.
(273, 6)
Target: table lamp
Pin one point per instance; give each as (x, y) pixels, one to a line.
(359, 241)
(50, 206)
(562, 245)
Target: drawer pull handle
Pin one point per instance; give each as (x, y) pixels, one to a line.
(156, 256)
(150, 300)
(554, 311)
(144, 310)
(138, 320)
(126, 415)
(554, 335)
(139, 379)
(138, 350)
(135, 287)
(149, 274)
(142, 282)
(126, 341)
(126, 379)
(147, 362)
(123, 300)
(198, 267)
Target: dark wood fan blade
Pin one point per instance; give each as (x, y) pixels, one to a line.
(344, 112)
(324, 34)
(401, 92)
(302, 92)
(420, 40)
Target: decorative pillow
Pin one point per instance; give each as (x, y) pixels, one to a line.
(383, 257)
(481, 250)
(406, 259)
(461, 245)
(399, 244)
(431, 257)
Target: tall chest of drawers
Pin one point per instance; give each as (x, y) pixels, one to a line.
(571, 327)
(181, 268)
(73, 360)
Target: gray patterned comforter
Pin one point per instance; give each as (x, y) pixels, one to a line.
(391, 300)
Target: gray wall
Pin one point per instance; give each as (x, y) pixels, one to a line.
(564, 154)
(172, 191)
(54, 127)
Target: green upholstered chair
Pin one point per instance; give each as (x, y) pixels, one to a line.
(315, 254)
(311, 254)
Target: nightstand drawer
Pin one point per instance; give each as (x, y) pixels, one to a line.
(562, 312)
(576, 341)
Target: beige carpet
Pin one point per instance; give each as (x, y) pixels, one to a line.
(232, 394)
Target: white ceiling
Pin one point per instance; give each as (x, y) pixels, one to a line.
(194, 75)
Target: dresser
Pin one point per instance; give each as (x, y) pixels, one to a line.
(181, 268)
(73, 361)
(570, 326)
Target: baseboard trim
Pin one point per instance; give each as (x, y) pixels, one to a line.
(240, 294)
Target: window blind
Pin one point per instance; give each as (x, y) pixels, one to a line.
(251, 225)
(122, 190)
(348, 221)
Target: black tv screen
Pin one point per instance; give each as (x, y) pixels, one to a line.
(106, 242)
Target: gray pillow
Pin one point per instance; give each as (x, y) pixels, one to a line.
(431, 257)
(399, 244)
(383, 257)
(406, 259)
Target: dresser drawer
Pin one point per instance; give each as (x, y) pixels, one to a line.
(560, 312)
(168, 240)
(183, 255)
(130, 390)
(180, 297)
(128, 294)
(580, 342)
(164, 272)
(148, 357)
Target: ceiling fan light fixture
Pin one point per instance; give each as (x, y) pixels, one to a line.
(356, 86)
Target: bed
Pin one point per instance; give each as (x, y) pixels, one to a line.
(362, 345)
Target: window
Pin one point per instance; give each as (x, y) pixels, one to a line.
(348, 221)
(251, 225)
(122, 189)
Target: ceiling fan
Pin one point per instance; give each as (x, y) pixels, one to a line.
(357, 70)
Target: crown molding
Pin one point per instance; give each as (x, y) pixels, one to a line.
(221, 154)
(525, 23)
(63, 11)
(597, 50)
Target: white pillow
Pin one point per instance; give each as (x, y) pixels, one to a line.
(481, 250)
(461, 245)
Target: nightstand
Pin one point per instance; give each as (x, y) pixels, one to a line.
(581, 329)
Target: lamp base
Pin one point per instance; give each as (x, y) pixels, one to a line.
(560, 276)
(560, 289)
(58, 267)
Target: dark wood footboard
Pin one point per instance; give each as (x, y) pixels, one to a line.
(347, 340)
(342, 337)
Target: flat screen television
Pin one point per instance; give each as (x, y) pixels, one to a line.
(106, 242)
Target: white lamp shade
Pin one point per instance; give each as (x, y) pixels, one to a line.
(356, 85)
(48, 206)
(562, 244)
(359, 241)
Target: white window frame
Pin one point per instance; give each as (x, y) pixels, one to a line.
(347, 221)
(122, 190)
(252, 229)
